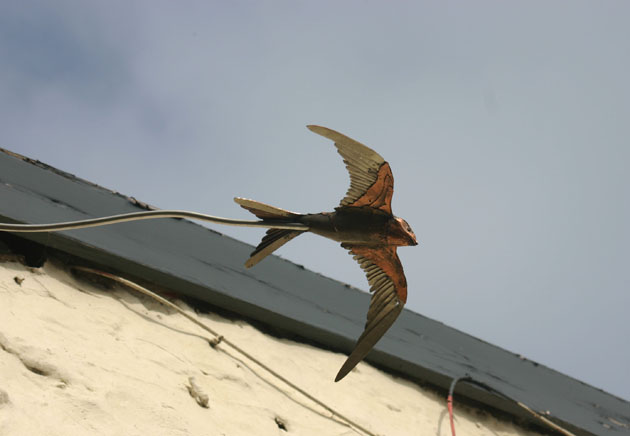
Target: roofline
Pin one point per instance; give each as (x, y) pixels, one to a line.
(200, 263)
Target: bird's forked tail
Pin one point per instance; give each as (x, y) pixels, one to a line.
(275, 238)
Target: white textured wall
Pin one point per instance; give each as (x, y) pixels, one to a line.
(79, 359)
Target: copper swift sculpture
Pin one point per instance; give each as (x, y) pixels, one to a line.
(364, 224)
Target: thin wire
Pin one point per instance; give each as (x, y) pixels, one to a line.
(549, 422)
(152, 214)
(449, 401)
(219, 338)
(468, 379)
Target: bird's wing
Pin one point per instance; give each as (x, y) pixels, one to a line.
(371, 180)
(389, 294)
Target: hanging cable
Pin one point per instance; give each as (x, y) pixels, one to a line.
(449, 400)
(218, 339)
(152, 214)
(468, 379)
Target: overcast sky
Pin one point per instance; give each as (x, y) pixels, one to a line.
(506, 125)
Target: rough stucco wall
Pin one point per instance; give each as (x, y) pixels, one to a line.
(79, 359)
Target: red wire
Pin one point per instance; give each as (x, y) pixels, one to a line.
(449, 399)
(449, 402)
(467, 378)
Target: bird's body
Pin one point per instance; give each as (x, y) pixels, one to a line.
(364, 225)
(350, 225)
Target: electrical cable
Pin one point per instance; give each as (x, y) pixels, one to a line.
(222, 339)
(152, 214)
(468, 379)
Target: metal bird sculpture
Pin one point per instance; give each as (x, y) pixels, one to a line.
(364, 224)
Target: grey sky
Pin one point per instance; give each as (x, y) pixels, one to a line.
(506, 126)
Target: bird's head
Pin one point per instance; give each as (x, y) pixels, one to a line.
(400, 233)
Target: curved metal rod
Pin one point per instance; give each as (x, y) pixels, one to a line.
(153, 214)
